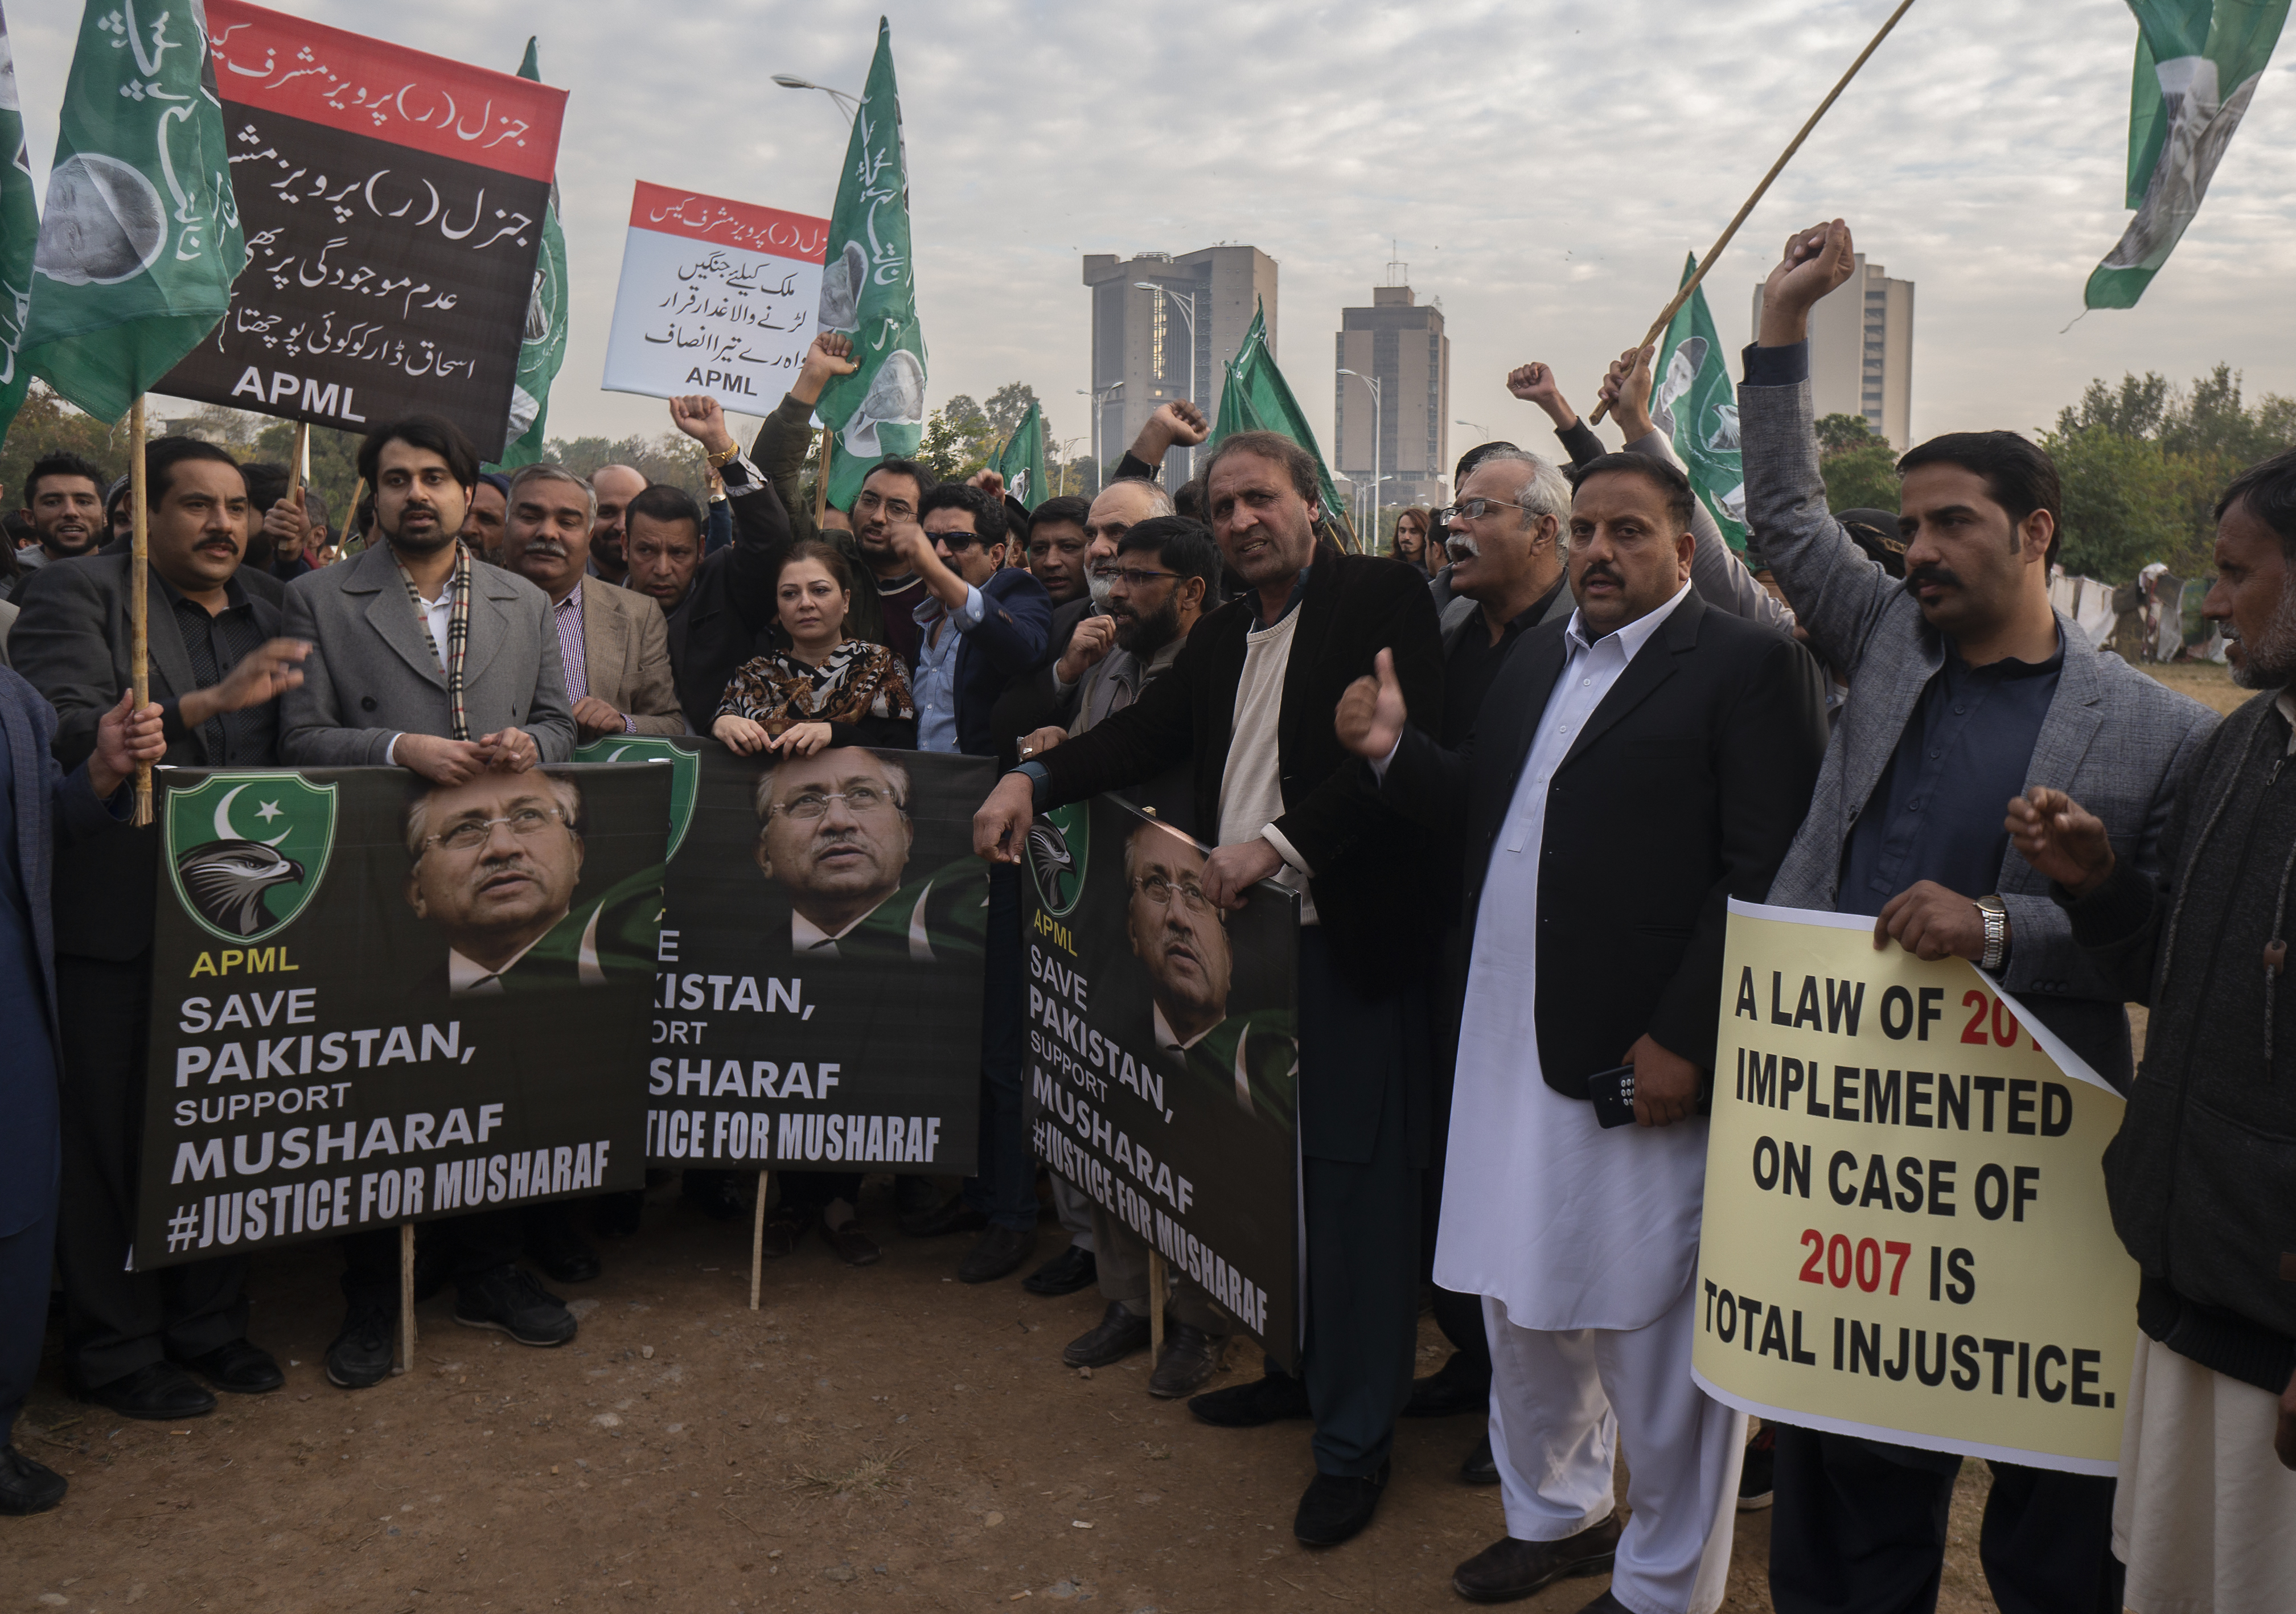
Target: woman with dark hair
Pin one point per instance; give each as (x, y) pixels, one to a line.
(1411, 537)
(824, 689)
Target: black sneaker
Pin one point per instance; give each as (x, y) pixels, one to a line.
(360, 1356)
(1754, 1483)
(510, 1299)
(26, 1487)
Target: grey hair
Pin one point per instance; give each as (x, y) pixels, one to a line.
(896, 775)
(543, 471)
(1545, 493)
(418, 808)
(1159, 503)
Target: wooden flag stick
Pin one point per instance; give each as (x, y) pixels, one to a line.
(821, 485)
(300, 468)
(1659, 325)
(1159, 1287)
(405, 1363)
(757, 1244)
(139, 604)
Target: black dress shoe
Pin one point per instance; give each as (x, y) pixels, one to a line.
(615, 1216)
(361, 1351)
(782, 1231)
(715, 1194)
(554, 1245)
(1479, 1467)
(1066, 1273)
(853, 1247)
(509, 1298)
(26, 1487)
(1336, 1508)
(1756, 1484)
(156, 1391)
(1266, 1400)
(1191, 1357)
(1117, 1336)
(953, 1214)
(1448, 1392)
(237, 1367)
(1000, 1253)
(1508, 1570)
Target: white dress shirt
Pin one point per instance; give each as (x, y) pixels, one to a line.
(1569, 1225)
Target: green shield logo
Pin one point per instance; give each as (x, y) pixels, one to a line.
(684, 774)
(247, 851)
(1059, 843)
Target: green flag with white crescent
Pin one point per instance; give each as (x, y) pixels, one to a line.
(1694, 404)
(1021, 461)
(1257, 399)
(2198, 64)
(19, 229)
(543, 348)
(139, 239)
(869, 291)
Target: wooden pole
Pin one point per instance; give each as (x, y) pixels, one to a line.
(139, 604)
(757, 1244)
(1159, 1288)
(1659, 325)
(298, 470)
(405, 1363)
(359, 492)
(821, 485)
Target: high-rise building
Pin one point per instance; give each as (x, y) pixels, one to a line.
(1398, 342)
(1861, 350)
(1170, 339)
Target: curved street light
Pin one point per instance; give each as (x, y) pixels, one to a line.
(847, 104)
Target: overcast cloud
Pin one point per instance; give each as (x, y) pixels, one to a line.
(1545, 166)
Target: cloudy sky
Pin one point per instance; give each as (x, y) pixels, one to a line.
(1544, 164)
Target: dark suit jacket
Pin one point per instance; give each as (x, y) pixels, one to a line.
(1684, 790)
(728, 612)
(1007, 646)
(73, 643)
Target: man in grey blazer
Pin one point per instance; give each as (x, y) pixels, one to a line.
(1965, 690)
(424, 657)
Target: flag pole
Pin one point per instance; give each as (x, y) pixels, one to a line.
(757, 1244)
(405, 1364)
(1659, 325)
(139, 604)
(821, 485)
(301, 469)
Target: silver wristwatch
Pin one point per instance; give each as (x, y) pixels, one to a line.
(1997, 935)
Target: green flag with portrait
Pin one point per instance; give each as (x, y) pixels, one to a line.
(1694, 404)
(869, 291)
(1257, 398)
(19, 229)
(543, 348)
(1021, 461)
(139, 240)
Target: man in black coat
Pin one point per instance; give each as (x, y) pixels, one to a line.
(1634, 768)
(1249, 700)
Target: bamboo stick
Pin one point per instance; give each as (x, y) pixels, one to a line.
(821, 485)
(405, 1363)
(757, 1244)
(139, 603)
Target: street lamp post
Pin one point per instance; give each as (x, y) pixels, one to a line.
(1099, 469)
(1373, 383)
(847, 104)
(1187, 301)
(1061, 448)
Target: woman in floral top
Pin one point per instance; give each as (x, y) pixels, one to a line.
(825, 689)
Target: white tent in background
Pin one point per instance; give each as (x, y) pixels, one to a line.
(2087, 602)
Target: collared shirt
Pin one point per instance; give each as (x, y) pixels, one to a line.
(1567, 1225)
(437, 613)
(567, 616)
(215, 644)
(1936, 811)
(466, 976)
(936, 682)
(807, 937)
(1474, 664)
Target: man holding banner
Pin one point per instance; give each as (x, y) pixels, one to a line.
(1966, 690)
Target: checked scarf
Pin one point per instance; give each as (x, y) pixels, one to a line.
(458, 634)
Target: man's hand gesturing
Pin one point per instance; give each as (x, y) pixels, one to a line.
(703, 419)
(1092, 641)
(1177, 424)
(1371, 716)
(2063, 841)
(1534, 383)
(1626, 389)
(1000, 829)
(1815, 261)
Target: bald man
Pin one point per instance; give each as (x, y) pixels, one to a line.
(616, 486)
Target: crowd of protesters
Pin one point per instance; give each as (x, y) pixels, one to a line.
(1564, 705)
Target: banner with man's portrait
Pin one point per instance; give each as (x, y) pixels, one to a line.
(375, 999)
(818, 989)
(1163, 1053)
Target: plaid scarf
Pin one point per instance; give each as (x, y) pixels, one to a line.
(458, 634)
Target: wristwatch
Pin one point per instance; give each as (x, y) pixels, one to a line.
(1997, 934)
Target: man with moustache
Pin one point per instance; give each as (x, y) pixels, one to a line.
(612, 643)
(1057, 548)
(615, 487)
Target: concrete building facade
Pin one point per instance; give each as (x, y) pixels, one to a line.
(1401, 342)
(1861, 351)
(1173, 341)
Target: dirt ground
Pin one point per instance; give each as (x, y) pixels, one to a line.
(2203, 681)
(868, 1439)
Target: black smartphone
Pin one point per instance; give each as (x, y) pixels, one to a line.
(1613, 1095)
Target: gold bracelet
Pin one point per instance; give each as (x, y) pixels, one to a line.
(723, 455)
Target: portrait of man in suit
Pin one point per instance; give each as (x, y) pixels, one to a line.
(496, 862)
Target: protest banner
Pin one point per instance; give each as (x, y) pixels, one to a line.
(376, 1000)
(1163, 1055)
(817, 1002)
(393, 204)
(1918, 1256)
(716, 296)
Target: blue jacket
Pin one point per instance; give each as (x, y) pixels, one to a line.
(1007, 646)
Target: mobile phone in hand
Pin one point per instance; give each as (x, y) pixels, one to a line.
(1613, 1095)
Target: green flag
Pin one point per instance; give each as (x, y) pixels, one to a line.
(140, 237)
(544, 348)
(869, 291)
(20, 228)
(1692, 403)
(1257, 398)
(1021, 461)
(2198, 64)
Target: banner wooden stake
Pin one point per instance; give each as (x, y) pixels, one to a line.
(359, 492)
(405, 1363)
(298, 470)
(139, 604)
(821, 484)
(1158, 1286)
(757, 1243)
(1659, 325)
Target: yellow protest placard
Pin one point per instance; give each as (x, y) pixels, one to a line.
(1905, 1234)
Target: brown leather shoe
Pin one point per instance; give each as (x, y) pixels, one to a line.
(1508, 1570)
(853, 1247)
(1191, 1357)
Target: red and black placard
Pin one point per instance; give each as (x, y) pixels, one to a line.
(392, 203)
